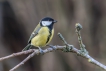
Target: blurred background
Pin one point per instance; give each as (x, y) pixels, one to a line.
(18, 19)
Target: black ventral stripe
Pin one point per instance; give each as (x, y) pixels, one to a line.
(50, 32)
(49, 36)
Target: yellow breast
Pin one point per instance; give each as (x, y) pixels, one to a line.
(40, 40)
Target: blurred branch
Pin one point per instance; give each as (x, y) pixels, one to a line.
(16, 54)
(67, 48)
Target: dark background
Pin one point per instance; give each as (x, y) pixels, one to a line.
(18, 19)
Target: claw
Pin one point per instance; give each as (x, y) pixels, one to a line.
(41, 51)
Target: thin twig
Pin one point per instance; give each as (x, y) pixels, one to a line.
(83, 50)
(16, 54)
(26, 59)
(78, 29)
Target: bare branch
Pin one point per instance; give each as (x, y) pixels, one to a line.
(73, 49)
(66, 48)
(37, 52)
(16, 54)
(82, 53)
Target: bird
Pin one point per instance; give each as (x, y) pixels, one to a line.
(42, 34)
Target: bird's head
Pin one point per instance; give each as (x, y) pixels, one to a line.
(47, 21)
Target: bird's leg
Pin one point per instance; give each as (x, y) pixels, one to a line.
(51, 46)
(41, 51)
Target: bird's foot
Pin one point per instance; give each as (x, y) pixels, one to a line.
(41, 51)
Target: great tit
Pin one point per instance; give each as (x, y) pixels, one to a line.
(42, 34)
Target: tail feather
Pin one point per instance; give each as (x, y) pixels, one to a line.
(27, 47)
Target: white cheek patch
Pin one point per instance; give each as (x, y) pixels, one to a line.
(46, 23)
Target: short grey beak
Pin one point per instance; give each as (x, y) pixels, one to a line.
(54, 21)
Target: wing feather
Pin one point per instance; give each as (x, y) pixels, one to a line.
(34, 33)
